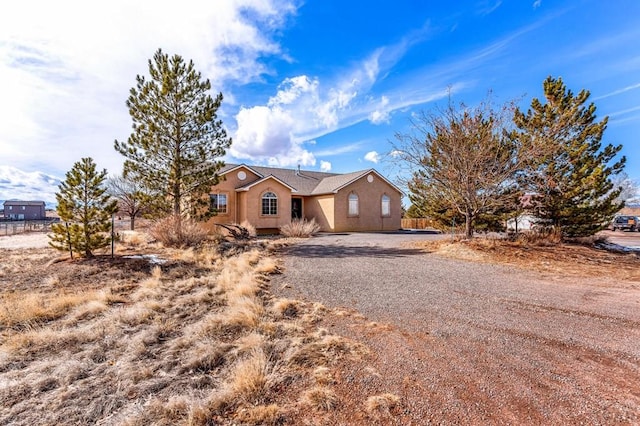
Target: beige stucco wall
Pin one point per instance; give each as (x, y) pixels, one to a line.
(252, 202)
(369, 216)
(234, 202)
(329, 210)
(322, 209)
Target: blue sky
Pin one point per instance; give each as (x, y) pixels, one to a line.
(321, 83)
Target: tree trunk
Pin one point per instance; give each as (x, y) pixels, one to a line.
(132, 221)
(468, 225)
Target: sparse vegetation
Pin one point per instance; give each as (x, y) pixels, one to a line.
(197, 340)
(381, 405)
(300, 228)
(189, 233)
(320, 398)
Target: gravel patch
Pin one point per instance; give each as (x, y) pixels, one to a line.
(488, 343)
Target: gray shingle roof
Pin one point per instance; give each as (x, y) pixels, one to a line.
(23, 203)
(305, 182)
(333, 183)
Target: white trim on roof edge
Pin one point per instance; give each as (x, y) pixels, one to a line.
(360, 176)
(247, 187)
(260, 175)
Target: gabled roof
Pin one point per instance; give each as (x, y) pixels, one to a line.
(23, 203)
(228, 168)
(249, 185)
(305, 182)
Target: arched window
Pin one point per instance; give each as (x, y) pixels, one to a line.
(385, 205)
(269, 204)
(353, 204)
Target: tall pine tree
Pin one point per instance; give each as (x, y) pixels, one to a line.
(571, 178)
(85, 210)
(177, 139)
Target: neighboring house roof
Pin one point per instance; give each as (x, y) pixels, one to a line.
(305, 182)
(23, 203)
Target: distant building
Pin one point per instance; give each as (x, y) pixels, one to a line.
(632, 209)
(24, 210)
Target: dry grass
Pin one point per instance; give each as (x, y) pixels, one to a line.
(320, 398)
(197, 340)
(25, 310)
(250, 228)
(249, 378)
(381, 405)
(190, 233)
(300, 228)
(133, 238)
(260, 415)
(578, 258)
(286, 308)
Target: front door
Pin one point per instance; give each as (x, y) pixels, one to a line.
(296, 208)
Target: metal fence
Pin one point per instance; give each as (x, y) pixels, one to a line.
(13, 227)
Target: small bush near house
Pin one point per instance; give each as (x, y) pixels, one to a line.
(300, 228)
(173, 231)
(250, 228)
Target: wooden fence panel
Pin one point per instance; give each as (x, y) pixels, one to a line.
(416, 223)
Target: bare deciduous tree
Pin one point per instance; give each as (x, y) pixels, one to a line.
(132, 199)
(462, 162)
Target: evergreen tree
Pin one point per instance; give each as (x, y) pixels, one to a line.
(571, 176)
(177, 138)
(85, 210)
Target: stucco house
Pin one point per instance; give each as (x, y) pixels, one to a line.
(24, 210)
(269, 198)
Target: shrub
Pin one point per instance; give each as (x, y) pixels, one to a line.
(300, 228)
(174, 231)
(250, 228)
(542, 236)
(381, 404)
(320, 398)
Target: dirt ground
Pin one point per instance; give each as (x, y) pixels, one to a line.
(479, 333)
(456, 333)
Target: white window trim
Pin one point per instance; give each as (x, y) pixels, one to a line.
(272, 199)
(385, 200)
(350, 212)
(217, 206)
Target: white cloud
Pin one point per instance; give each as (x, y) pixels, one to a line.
(325, 166)
(537, 3)
(619, 91)
(380, 115)
(66, 68)
(275, 133)
(21, 185)
(486, 7)
(265, 134)
(372, 156)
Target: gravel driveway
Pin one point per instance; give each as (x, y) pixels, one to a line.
(480, 342)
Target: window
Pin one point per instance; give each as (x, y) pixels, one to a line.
(353, 205)
(269, 204)
(385, 205)
(218, 203)
(24, 207)
(10, 207)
